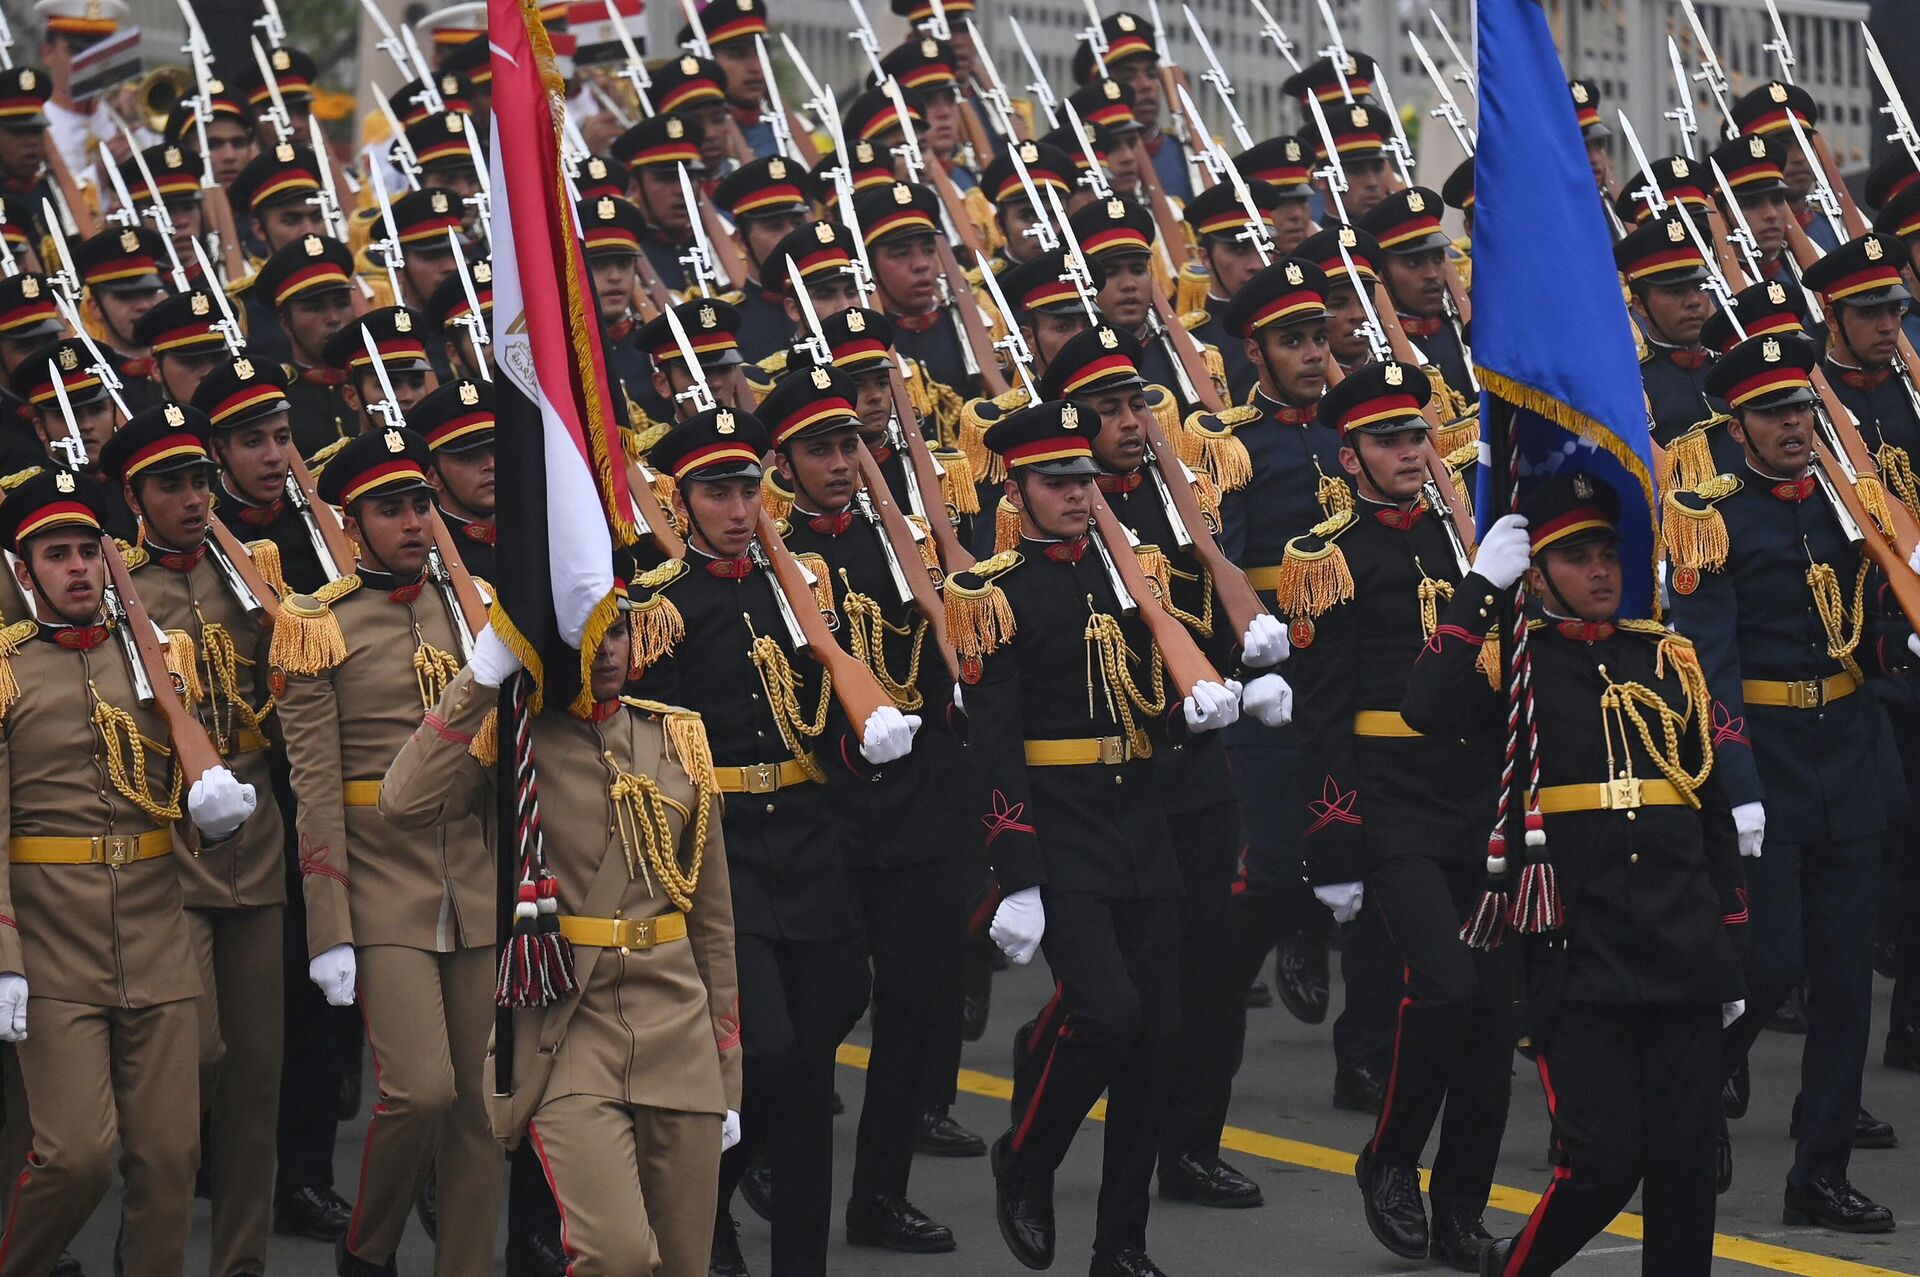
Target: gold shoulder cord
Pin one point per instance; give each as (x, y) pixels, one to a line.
(870, 629)
(220, 663)
(1433, 592)
(1109, 671)
(119, 737)
(1896, 465)
(782, 686)
(1832, 606)
(1621, 704)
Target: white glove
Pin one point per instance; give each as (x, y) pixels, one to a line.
(1750, 821)
(888, 735)
(220, 804)
(13, 1008)
(493, 661)
(729, 1130)
(1504, 552)
(1269, 699)
(335, 972)
(1018, 924)
(1265, 642)
(959, 703)
(1913, 640)
(1212, 706)
(1731, 1011)
(1342, 898)
(1913, 561)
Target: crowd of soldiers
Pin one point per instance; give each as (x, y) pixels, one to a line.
(1037, 495)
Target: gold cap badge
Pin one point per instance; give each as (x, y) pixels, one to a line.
(1757, 147)
(1770, 350)
(689, 66)
(823, 232)
(776, 168)
(395, 441)
(63, 482)
(1874, 251)
(1294, 274)
(1416, 201)
(902, 194)
(243, 369)
(313, 246)
(172, 158)
(1676, 232)
(821, 378)
(199, 304)
(1582, 487)
(1580, 93)
(27, 79)
(439, 201)
(281, 60)
(284, 153)
(1359, 117)
(129, 241)
(1777, 91)
(1125, 22)
(403, 322)
(723, 424)
(675, 129)
(1394, 375)
(856, 322)
(1777, 293)
(29, 287)
(1069, 418)
(604, 209)
(708, 317)
(469, 393)
(174, 416)
(1109, 339)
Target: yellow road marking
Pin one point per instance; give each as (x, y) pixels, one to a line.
(1518, 1201)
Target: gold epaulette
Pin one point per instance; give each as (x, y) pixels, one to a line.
(815, 566)
(18, 477)
(318, 461)
(1165, 409)
(307, 639)
(1462, 457)
(1690, 456)
(266, 558)
(647, 436)
(776, 498)
(1192, 319)
(1208, 446)
(1006, 526)
(974, 277)
(12, 639)
(975, 419)
(733, 297)
(1652, 629)
(657, 627)
(1694, 530)
(134, 556)
(238, 288)
(686, 734)
(775, 364)
(661, 575)
(1314, 576)
(1191, 287)
(484, 748)
(979, 617)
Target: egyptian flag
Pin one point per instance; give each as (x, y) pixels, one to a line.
(563, 497)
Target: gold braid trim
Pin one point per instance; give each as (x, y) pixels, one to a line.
(1690, 457)
(1832, 606)
(782, 686)
(1208, 446)
(12, 639)
(1190, 290)
(318, 461)
(774, 499)
(1006, 526)
(1488, 662)
(657, 627)
(1896, 468)
(643, 816)
(1165, 409)
(957, 489)
(816, 567)
(1315, 578)
(184, 666)
(433, 669)
(307, 639)
(9, 482)
(1873, 495)
(485, 746)
(979, 615)
(1110, 671)
(870, 629)
(1207, 493)
(1696, 535)
(1159, 573)
(119, 736)
(1628, 699)
(1335, 496)
(1432, 593)
(221, 657)
(134, 554)
(266, 558)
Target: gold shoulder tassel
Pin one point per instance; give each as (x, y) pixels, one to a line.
(1191, 295)
(1690, 458)
(657, 627)
(318, 461)
(774, 499)
(1695, 532)
(979, 617)
(985, 466)
(1166, 411)
(307, 638)
(1214, 451)
(1315, 578)
(687, 741)
(957, 488)
(1006, 526)
(12, 639)
(184, 664)
(822, 582)
(266, 557)
(485, 745)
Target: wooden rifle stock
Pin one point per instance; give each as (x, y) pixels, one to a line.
(802, 140)
(85, 217)
(335, 536)
(1850, 215)
(1901, 580)
(191, 745)
(906, 551)
(244, 567)
(466, 595)
(1187, 350)
(1186, 663)
(220, 218)
(955, 205)
(973, 329)
(946, 540)
(657, 523)
(1732, 268)
(976, 133)
(854, 685)
(1172, 80)
(1168, 224)
(1237, 596)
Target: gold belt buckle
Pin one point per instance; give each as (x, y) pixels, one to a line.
(761, 778)
(1623, 793)
(632, 933)
(1113, 750)
(1807, 693)
(119, 849)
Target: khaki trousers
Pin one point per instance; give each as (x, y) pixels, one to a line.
(637, 1186)
(428, 1017)
(239, 952)
(97, 1076)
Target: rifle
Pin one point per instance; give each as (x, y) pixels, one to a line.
(136, 631)
(1448, 108)
(789, 134)
(1273, 32)
(703, 267)
(923, 476)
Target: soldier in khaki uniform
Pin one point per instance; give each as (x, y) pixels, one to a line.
(408, 916)
(235, 893)
(628, 1090)
(93, 926)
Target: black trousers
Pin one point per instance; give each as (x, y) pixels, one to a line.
(1634, 1092)
(914, 923)
(1213, 1006)
(1119, 985)
(1454, 1044)
(1373, 979)
(797, 1001)
(314, 1034)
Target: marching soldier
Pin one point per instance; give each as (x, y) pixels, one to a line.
(764, 200)
(1754, 169)
(1066, 703)
(925, 69)
(275, 201)
(294, 74)
(653, 151)
(695, 91)
(428, 221)
(1360, 131)
(306, 287)
(1133, 60)
(121, 270)
(28, 321)
(97, 981)
(449, 309)
(802, 965)
(24, 93)
(1281, 162)
(78, 127)
(445, 151)
(1664, 271)
(911, 893)
(1862, 290)
(1400, 821)
(899, 223)
(1107, 105)
(1406, 226)
(176, 187)
(235, 890)
(642, 1089)
(401, 922)
(731, 26)
(612, 228)
(93, 416)
(1346, 313)
(1225, 237)
(1765, 111)
(1768, 584)
(1624, 1001)
(713, 328)
(185, 344)
(1014, 215)
(249, 413)
(1594, 130)
(457, 423)
(229, 132)
(399, 334)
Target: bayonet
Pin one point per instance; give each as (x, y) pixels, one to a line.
(1097, 185)
(1780, 46)
(1256, 233)
(6, 42)
(1682, 112)
(909, 148)
(1040, 86)
(1336, 50)
(988, 84)
(1074, 262)
(1739, 234)
(408, 163)
(634, 72)
(1651, 194)
(1710, 73)
(698, 259)
(227, 326)
(697, 393)
(1397, 145)
(1821, 195)
(1271, 29)
(817, 101)
(1040, 229)
(72, 448)
(388, 407)
(862, 35)
(1895, 107)
(272, 24)
(1013, 343)
(1096, 37)
(475, 320)
(1334, 174)
(1465, 74)
(1448, 109)
(697, 44)
(777, 110)
(1216, 75)
(162, 220)
(389, 248)
(277, 106)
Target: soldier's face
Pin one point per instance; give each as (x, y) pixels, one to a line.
(1125, 157)
(822, 469)
(393, 531)
(720, 514)
(830, 296)
(905, 270)
(1231, 262)
(1142, 75)
(1778, 441)
(424, 270)
(181, 375)
(254, 458)
(1600, 161)
(1017, 221)
(1584, 577)
(409, 388)
(22, 151)
(312, 318)
(873, 399)
(1047, 333)
(70, 574)
(1121, 444)
(746, 83)
(1345, 315)
(1767, 215)
(230, 146)
(1291, 224)
(613, 280)
(94, 420)
(283, 223)
(1869, 333)
(1292, 361)
(464, 481)
(1368, 182)
(1677, 311)
(121, 310)
(761, 234)
(941, 111)
(1799, 172)
(175, 506)
(187, 225)
(1052, 505)
(609, 673)
(1388, 468)
(1418, 281)
(1127, 294)
(661, 200)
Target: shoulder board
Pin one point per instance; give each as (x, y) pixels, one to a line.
(979, 617)
(1011, 400)
(987, 569)
(645, 439)
(134, 556)
(1314, 576)
(1694, 531)
(656, 707)
(734, 297)
(307, 638)
(661, 576)
(1194, 319)
(18, 477)
(239, 287)
(1653, 630)
(776, 363)
(15, 636)
(293, 374)
(335, 590)
(318, 461)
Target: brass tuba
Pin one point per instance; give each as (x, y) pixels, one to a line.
(160, 90)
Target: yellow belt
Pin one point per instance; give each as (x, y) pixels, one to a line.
(248, 740)
(360, 793)
(108, 849)
(1381, 722)
(763, 778)
(1266, 578)
(1805, 693)
(1084, 752)
(624, 933)
(1609, 795)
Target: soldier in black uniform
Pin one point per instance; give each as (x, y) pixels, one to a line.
(712, 327)
(910, 891)
(899, 223)
(1047, 307)
(175, 186)
(1678, 178)
(1766, 110)
(1360, 131)
(1013, 210)
(1117, 237)
(1860, 286)
(28, 320)
(653, 151)
(1346, 343)
(1099, 370)
(448, 310)
(1755, 170)
(823, 253)
(424, 219)
(185, 345)
(121, 270)
(399, 334)
(1281, 162)
(1664, 271)
(1624, 1001)
(612, 231)
(273, 202)
(1066, 703)
(25, 91)
(803, 976)
(1401, 821)
(94, 416)
(1221, 229)
(766, 205)
(1787, 617)
(457, 423)
(306, 288)
(1406, 225)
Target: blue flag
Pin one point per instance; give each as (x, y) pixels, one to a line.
(1552, 342)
